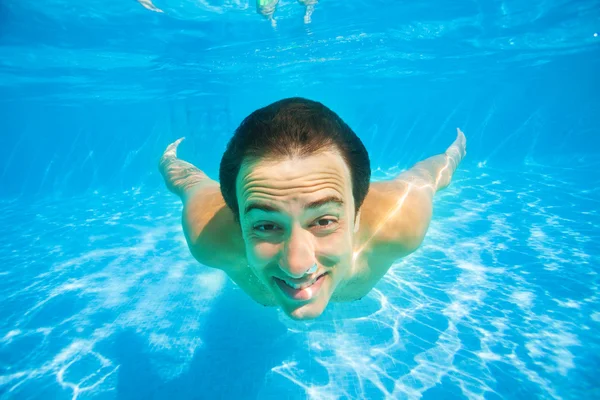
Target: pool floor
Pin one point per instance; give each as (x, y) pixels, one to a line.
(101, 299)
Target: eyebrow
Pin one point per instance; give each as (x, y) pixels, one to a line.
(266, 207)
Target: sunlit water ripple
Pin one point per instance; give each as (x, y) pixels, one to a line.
(121, 51)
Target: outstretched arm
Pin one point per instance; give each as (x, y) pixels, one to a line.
(435, 173)
(180, 176)
(210, 230)
(396, 213)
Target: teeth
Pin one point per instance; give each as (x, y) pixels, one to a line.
(303, 286)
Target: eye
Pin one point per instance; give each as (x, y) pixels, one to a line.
(325, 222)
(265, 227)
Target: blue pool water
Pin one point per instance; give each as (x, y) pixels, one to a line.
(100, 297)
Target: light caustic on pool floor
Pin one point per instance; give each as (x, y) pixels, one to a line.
(501, 298)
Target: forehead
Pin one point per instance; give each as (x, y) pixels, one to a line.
(323, 173)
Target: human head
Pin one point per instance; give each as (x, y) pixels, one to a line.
(288, 154)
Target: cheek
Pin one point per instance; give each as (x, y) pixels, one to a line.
(338, 243)
(261, 252)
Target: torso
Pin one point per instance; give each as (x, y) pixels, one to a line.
(222, 236)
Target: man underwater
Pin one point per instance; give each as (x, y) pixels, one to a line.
(264, 7)
(295, 221)
(267, 8)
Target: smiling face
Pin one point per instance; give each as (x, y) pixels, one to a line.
(295, 213)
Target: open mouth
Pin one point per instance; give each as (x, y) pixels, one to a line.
(303, 292)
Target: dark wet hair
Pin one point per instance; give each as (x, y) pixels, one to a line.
(293, 127)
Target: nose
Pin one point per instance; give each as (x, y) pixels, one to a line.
(298, 254)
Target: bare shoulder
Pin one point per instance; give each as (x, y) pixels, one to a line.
(396, 214)
(215, 239)
(213, 236)
(394, 219)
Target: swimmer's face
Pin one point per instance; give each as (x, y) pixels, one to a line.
(294, 213)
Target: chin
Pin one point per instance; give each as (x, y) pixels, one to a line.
(304, 312)
(301, 311)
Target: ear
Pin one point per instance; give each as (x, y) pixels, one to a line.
(357, 222)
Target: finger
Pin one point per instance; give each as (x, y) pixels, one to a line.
(172, 148)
